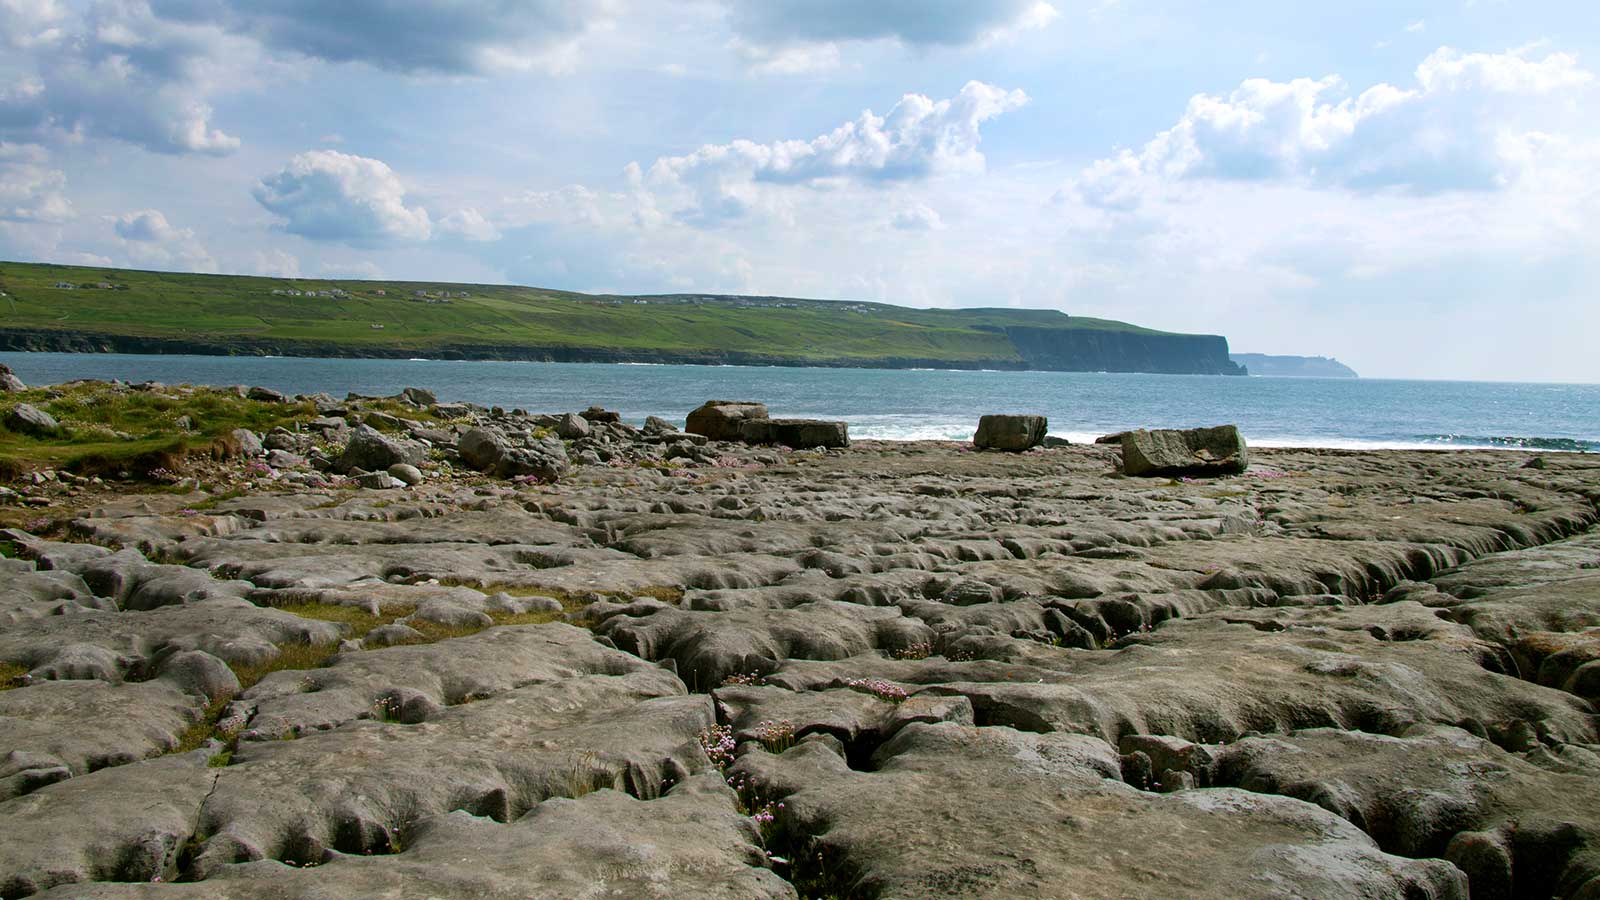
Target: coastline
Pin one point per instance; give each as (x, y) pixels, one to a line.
(758, 661)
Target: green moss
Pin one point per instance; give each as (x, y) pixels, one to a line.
(11, 675)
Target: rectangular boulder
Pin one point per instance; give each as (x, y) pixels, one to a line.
(1010, 432)
(801, 434)
(1219, 450)
(719, 419)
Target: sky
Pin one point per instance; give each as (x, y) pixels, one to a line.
(1411, 187)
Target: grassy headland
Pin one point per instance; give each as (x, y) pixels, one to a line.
(137, 311)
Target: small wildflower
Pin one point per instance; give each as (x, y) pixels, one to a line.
(743, 678)
(919, 650)
(879, 688)
(776, 736)
(717, 742)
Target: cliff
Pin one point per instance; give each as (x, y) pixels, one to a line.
(1294, 366)
(81, 309)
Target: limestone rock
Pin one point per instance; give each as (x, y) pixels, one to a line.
(372, 451)
(801, 434)
(719, 420)
(9, 382)
(1196, 451)
(1010, 432)
(25, 418)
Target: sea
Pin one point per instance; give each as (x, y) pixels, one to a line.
(916, 404)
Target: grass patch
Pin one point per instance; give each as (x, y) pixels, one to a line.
(241, 314)
(197, 735)
(360, 621)
(290, 657)
(108, 429)
(11, 675)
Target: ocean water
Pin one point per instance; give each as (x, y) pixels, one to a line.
(939, 404)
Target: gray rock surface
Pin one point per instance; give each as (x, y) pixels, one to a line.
(372, 451)
(801, 434)
(1336, 674)
(1010, 432)
(719, 420)
(25, 418)
(1195, 451)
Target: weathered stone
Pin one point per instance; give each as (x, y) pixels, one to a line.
(1010, 432)
(801, 434)
(719, 420)
(266, 395)
(9, 382)
(481, 448)
(373, 451)
(25, 418)
(406, 473)
(246, 442)
(601, 415)
(1196, 451)
(571, 427)
(419, 396)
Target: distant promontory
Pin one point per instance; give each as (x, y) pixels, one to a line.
(80, 309)
(1294, 366)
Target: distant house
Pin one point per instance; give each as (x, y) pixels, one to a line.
(381, 292)
(376, 327)
(66, 286)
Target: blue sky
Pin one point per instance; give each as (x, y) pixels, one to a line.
(1411, 187)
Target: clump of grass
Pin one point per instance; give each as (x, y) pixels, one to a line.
(205, 728)
(290, 656)
(11, 675)
(359, 619)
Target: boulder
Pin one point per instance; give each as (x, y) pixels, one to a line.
(373, 451)
(572, 426)
(1010, 432)
(9, 382)
(266, 395)
(419, 396)
(800, 434)
(247, 441)
(378, 481)
(407, 473)
(719, 419)
(658, 425)
(481, 448)
(1195, 451)
(601, 415)
(25, 418)
(540, 461)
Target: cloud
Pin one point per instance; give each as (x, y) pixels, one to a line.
(278, 263)
(917, 218)
(326, 195)
(31, 191)
(1459, 128)
(911, 23)
(470, 224)
(114, 70)
(917, 139)
(149, 239)
(411, 36)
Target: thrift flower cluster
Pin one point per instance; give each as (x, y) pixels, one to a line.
(879, 688)
(717, 741)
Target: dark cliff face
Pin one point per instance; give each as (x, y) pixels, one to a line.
(1067, 350)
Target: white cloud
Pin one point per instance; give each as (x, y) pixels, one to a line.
(31, 191)
(917, 139)
(279, 263)
(919, 217)
(1460, 128)
(149, 239)
(353, 269)
(111, 69)
(1416, 27)
(445, 36)
(470, 224)
(326, 195)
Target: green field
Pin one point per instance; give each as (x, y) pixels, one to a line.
(242, 314)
